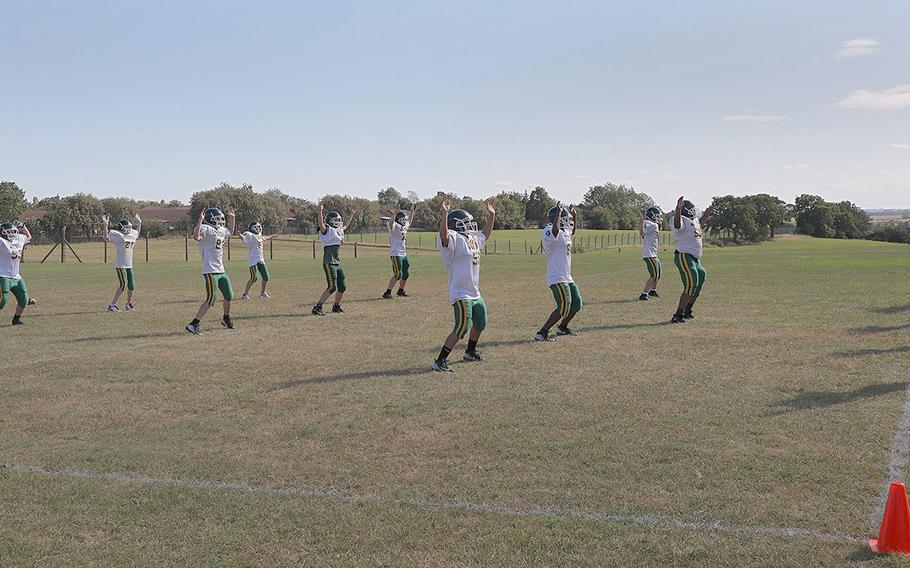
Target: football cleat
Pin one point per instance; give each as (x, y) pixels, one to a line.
(32, 302)
(442, 366)
(543, 336)
(194, 329)
(654, 294)
(688, 315)
(264, 295)
(245, 297)
(130, 307)
(386, 295)
(561, 330)
(317, 310)
(113, 308)
(336, 309)
(403, 294)
(643, 297)
(677, 319)
(18, 321)
(473, 356)
(227, 322)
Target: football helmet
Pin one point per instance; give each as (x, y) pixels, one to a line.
(653, 214)
(333, 219)
(124, 226)
(460, 221)
(401, 218)
(214, 217)
(565, 219)
(254, 227)
(688, 209)
(8, 231)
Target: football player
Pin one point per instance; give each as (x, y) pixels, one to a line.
(211, 236)
(123, 237)
(253, 240)
(331, 235)
(557, 243)
(687, 233)
(13, 238)
(460, 244)
(649, 229)
(399, 224)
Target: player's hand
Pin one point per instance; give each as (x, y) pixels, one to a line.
(490, 208)
(679, 201)
(18, 224)
(446, 206)
(321, 206)
(231, 212)
(138, 218)
(572, 210)
(104, 219)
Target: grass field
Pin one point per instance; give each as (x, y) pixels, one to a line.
(757, 435)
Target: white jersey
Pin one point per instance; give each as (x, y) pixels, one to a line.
(559, 255)
(332, 236)
(462, 260)
(124, 243)
(649, 243)
(11, 256)
(254, 243)
(211, 247)
(398, 234)
(688, 236)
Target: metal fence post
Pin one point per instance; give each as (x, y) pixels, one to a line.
(229, 247)
(314, 248)
(355, 249)
(146, 246)
(105, 251)
(186, 247)
(271, 249)
(62, 242)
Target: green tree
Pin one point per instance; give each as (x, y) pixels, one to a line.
(119, 208)
(389, 198)
(771, 212)
(12, 201)
(510, 210)
(536, 207)
(625, 203)
(738, 216)
(814, 216)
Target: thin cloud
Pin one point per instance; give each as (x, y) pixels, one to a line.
(503, 184)
(582, 177)
(859, 47)
(901, 146)
(669, 176)
(756, 118)
(897, 97)
(796, 166)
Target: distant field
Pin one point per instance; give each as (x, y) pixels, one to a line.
(757, 435)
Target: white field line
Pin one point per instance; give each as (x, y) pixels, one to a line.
(897, 467)
(660, 522)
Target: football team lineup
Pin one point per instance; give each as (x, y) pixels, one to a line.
(459, 243)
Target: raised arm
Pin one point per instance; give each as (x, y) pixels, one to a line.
(491, 218)
(320, 219)
(558, 217)
(574, 213)
(24, 230)
(641, 224)
(104, 229)
(411, 216)
(138, 224)
(444, 223)
(232, 220)
(197, 232)
(706, 215)
(676, 221)
(350, 219)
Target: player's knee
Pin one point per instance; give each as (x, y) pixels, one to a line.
(3, 301)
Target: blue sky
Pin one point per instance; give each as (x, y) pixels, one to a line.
(160, 99)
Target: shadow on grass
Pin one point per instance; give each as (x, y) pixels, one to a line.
(597, 302)
(821, 399)
(131, 336)
(198, 301)
(422, 370)
(862, 554)
(880, 328)
(28, 313)
(892, 309)
(300, 314)
(864, 352)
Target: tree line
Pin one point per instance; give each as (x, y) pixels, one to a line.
(749, 218)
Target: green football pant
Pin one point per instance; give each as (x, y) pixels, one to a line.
(401, 267)
(692, 272)
(126, 278)
(17, 287)
(468, 314)
(263, 270)
(334, 277)
(215, 282)
(653, 267)
(568, 297)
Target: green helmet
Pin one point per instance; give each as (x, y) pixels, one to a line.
(653, 214)
(8, 231)
(688, 209)
(333, 219)
(214, 217)
(401, 218)
(124, 226)
(565, 220)
(254, 227)
(460, 221)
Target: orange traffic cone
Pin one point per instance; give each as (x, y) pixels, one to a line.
(894, 535)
